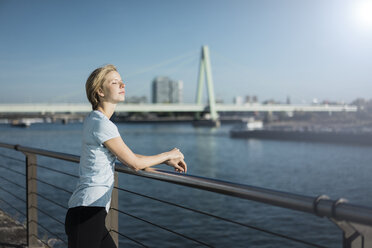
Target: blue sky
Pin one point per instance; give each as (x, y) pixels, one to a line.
(270, 48)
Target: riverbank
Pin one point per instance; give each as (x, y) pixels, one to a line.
(12, 233)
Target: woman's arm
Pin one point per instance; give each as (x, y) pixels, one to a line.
(172, 163)
(139, 162)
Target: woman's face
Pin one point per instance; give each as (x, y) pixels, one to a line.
(113, 88)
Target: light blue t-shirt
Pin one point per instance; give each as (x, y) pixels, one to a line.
(97, 163)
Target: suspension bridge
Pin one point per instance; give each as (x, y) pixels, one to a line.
(211, 107)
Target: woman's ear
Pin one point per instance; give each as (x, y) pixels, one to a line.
(100, 92)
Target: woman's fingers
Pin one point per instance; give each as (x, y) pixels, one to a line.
(183, 164)
(178, 165)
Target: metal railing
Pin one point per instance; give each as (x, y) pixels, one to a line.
(355, 221)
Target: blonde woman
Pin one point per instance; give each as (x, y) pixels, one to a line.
(101, 145)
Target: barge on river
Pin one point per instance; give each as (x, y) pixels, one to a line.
(310, 134)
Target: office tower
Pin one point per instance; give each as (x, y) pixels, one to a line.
(238, 100)
(254, 99)
(165, 90)
(247, 99)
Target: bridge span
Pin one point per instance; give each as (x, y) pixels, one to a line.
(45, 108)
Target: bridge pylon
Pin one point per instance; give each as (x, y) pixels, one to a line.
(206, 71)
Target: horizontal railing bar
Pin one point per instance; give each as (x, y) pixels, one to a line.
(46, 229)
(15, 159)
(10, 205)
(321, 207)
(58, 171)
(56, 203)
(161, 227)
(46, 153)
(42, 181)
(10, 193)
(125, 236)
(6, 179)
(224, 219)
(9, 146)
(10, 169)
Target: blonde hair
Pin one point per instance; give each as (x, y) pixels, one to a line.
(95, 82)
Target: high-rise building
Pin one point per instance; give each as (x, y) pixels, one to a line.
(165, 90)
(247, 99)
(254, 99)
(238, 100)
(288, 100)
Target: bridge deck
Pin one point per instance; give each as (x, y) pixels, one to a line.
(84, 108)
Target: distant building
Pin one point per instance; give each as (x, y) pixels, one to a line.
(165, 90)
(219, 100)
(238, 100)
(136, 99)
(288, 101)
(247, 99)
(254, 99)
(270, 102)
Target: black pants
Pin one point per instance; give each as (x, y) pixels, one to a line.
(85, 228)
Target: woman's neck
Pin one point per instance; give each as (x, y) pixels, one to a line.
(107, 109)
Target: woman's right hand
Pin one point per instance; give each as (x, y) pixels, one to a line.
(176, 160)
(175, 154)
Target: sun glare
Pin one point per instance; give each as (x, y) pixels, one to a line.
(363, 13)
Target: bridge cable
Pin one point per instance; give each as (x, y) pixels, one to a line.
(137, 89)
(178, 66)
(151, 67)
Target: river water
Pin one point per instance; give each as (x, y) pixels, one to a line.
(297, 167)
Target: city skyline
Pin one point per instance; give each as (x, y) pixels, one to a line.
(304, 50)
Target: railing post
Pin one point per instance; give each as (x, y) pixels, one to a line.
(112, 219)
(31, 199)
(354, 235)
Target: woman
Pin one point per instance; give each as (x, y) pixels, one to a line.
(101, 145)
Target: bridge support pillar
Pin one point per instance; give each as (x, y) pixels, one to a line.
(206, 71)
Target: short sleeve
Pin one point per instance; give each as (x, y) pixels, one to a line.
(105, 130)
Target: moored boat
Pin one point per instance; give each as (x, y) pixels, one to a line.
(310, 134)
